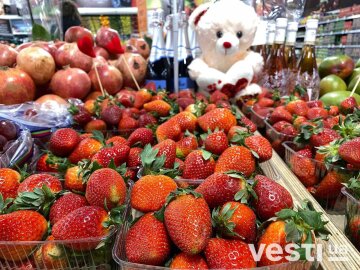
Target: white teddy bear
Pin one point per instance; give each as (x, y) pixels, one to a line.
(225, 31)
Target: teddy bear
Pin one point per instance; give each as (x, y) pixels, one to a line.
(225, 30)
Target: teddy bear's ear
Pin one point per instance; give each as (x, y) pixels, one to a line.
(197, 14)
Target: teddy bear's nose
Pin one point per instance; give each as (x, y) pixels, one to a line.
(227, 45)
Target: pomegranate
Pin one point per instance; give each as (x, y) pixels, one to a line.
(16, 86)
(7, 55)
(38, 63)
(110, 78)
(137, 65)
(69, 54)
(76, 32)
(99, 60)
(108, 39)
(50, 98)
(140, 45)
(47, 46)
(59, 43)
(23, 46)
(101, 52)
(70, 83)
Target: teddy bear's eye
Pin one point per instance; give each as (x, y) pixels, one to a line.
(239, 34)
(219, 34)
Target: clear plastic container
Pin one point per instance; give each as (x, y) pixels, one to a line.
(277, 138)
(352, 217)
(257, 119)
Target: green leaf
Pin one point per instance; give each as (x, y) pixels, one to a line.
(292, 232)
(286, 213)
(206, 154)
(40, 33)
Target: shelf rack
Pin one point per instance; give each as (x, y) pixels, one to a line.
(109, 11)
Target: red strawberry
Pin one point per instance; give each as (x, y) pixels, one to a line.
(117, 140)
(43, 166)
(198, 165)
(246, 122)
(348, 105)
(84, 222)
(216, 142)
(350, 151)
(63, 141)
(265, 102)
(181, 164)
(235, 130)
(333, 110)
(354, 230)
(22, 225)
(105, 185)
(51, 255)
(168, 130)
(218, 95)
(126, 98)
(167, 148)
(236, 220)
(210, 107)
(330, 122)
(323, 138)
(141, 137)
(73, 180)
(298, 107)
(299, 121)
(303, 167)
(149, 192)
(285, 128)
(315, 103)
(38, 180)
(81, 116)
(65, 205)
(220, 118)
(186, 94)
(160, 107)
(280, 114)
(127, 125)
(141, 97)
(271, 197)
(186, 120)
(146, 119)
(236, 158)
(86, 149)
(9, 183)
(184, 102)
(111, 115)
(131, 112)
(134, 159)
(188, 221)
(330, 186)
(185, 261)
(260, 145)
(95, 124)
(228, 254)
(185, 146)
(147, 241)
(118, 154)
(220, 188)
(317, 112)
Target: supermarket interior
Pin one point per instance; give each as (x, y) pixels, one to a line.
(179, 134)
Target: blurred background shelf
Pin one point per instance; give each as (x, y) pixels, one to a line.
(108, 11)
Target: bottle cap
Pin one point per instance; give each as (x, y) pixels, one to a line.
(292, 26)
(271, 26)
(312, 23)
(281, 23)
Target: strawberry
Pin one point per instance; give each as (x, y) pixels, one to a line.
(83, 136)
(299, 121)
(348, 105)
(265, 102)
(65, 205)
(216, 142)
(84, 222)
(116, 141)
(298, 107)
(149, 192)
(185, 146)
(168, 130)
(316, 112)
(168, 149)
(235, 130)
(220, 118)
(315, 103)
(89, 106)
(51, 255)
(220, 188)
(285, 128)
(43, 166)
(159, 107)
(228, 254)
(186, 121)
(185, 102)
(186, 94)
(141, 97)
(105, 185)
(147, 241)
(350, 151)
(127, 125)
(141, 137)
(280, 114)
(271, 197)
(324, 137)
(80, 115)
(63, 141)
(22, 225)
(111, 114)
(134, 159)
(210, 107)
(235, 220)
(236, 158)
(246, 122)
(86, 149)
(38, 180)
(126, 98)
(146, 119)
(218, 95)
(354, 230)
(95, 124)
(9, 183)
(333, 110)
(185, 261)
(131, 112)
(118, 154)
(330, 186)
(303, 167)
(73, 179)
(260, 145)
(198, 164)
(188, 221)
(331, 122)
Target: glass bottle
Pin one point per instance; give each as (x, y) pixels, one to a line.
(275, 64)
(169, 53)
(290, 56)
(271, 27)
(259, 43)
(158, 64)
(194, 44)
(308, 76)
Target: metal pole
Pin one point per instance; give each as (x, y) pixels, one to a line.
(30, 12)
(175, 44)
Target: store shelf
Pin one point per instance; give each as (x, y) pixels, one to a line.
(10, 17)
(108, 11)
(344, 32)
(335, 20)
(337, 46)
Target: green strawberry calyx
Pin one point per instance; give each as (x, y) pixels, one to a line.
(353, 185)
(331, 152)
(99, 136)
(221, 220)
(350, 127)
(306, 131)
(62, 164)
(4, 204)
